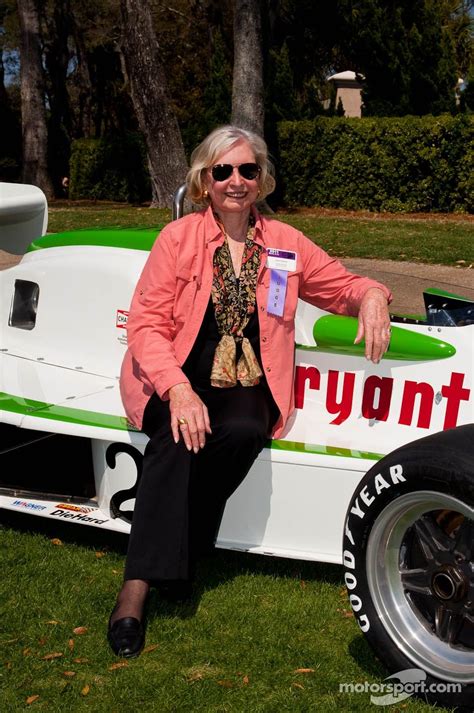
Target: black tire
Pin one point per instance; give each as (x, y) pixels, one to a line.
(408, 556)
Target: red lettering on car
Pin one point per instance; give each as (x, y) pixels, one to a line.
(344, 407)
(384, 386)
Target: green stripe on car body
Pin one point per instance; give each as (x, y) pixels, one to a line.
(298, 447)
(129, 238)
(65, 414)
(81, 417)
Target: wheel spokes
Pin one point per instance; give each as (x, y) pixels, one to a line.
(416, 580)
(431, 537)
(465, 539)
(447, 624)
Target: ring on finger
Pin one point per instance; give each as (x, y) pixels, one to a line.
(182, 421)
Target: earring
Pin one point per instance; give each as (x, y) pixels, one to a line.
(258, 193)
(205, 193)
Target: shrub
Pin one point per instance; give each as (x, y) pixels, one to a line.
(111, 168)
(380, 164)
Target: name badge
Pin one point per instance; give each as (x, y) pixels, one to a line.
(280, 262)
(281, 259)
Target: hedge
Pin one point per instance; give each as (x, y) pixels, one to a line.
(112, 168)
(379, 164)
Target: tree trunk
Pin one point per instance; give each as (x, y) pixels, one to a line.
(247, 89)
(83, 121)
(57, 55)
(33, 110)
(149, 91)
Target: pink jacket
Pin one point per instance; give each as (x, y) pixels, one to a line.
(173, 292)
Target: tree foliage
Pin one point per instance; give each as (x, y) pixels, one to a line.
(411, 53)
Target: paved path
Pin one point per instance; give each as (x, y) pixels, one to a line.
(407, 280)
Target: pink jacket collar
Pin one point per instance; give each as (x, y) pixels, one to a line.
(213, 232)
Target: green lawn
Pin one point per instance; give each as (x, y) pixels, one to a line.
(435, 240)
(262, 634)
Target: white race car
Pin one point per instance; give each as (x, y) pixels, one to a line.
(375, 470)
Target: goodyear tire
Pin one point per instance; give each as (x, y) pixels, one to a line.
(409, 563)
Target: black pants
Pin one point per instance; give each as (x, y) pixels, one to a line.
(182, 495)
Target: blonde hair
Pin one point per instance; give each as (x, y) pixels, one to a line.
(213, 146)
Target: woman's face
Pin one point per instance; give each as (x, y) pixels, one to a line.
(235, 194)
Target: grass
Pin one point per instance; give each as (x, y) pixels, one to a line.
(430, 239)
(261, 634)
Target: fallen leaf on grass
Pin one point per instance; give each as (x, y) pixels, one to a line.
(10, 641)
(225, 683)
(304, 670)
(119, 664)
(245, 680)
(70, 644)
(149, 648)
(297, 685)
(8, 664)
(56, 541)
(83, 660)
(69, 674)
(26, 652)
(115, 571)
(53, 621)
(85, 690)
(196, 673)
(100, 554)
(50, 657)
(31, 699)
(80, 630)
(42, 641)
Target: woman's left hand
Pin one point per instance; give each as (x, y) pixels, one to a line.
(374, 324)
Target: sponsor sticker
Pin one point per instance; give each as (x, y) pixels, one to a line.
(77, 516)
(121, 319)
(75, 508)
(27, 505)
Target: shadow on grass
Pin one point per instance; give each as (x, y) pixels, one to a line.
(214, 570)
(365, 657)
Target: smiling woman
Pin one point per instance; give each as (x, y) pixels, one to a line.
(208, 374)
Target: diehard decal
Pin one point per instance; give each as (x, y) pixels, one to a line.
(77, 516)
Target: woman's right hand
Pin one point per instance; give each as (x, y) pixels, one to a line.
(186, 404)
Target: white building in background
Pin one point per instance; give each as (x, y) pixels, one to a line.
(348, 90)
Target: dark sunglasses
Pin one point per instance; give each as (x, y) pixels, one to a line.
(223, 171)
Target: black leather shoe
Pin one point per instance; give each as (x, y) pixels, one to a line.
(126, 637)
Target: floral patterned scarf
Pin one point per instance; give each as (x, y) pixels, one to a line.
(234, 304)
